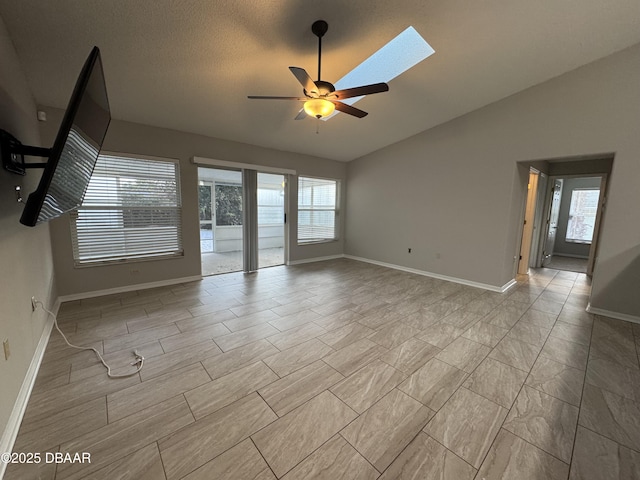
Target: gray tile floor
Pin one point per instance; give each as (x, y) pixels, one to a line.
(340, 369)
(572, 264)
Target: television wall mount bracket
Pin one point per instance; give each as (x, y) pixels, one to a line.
(13, 153)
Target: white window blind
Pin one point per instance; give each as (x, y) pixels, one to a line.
(317, 209)
(131, 210)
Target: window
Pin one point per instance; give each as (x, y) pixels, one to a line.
(317, 211)
(131, 210)
(582, 215)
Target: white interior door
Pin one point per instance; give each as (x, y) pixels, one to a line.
(527, 229)
(540, 216)
(552, 222)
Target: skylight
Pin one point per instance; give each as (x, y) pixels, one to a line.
(397, 56)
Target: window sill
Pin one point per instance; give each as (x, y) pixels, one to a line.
(106, 263)
(316, 242)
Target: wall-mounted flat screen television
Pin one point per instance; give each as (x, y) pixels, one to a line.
(74, 153)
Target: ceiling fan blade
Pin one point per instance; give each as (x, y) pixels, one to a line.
(305, 80)
(301, 115)
(344, 108)
(359, 91)
(302, 99)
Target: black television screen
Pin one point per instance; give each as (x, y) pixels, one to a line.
(76, 148)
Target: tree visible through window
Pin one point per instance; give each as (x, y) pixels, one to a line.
(228, 205)
(582, 215)
(204, 202)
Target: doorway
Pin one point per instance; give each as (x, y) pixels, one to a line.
(220, 210)
(573, 227)
(568, 212)
(225, 218)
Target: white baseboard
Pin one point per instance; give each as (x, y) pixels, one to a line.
(315, 259)
(462, 281)
(15, 419)
(608, 313)
(128, 288)
(507, 286)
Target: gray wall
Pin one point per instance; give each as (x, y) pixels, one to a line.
(25, 253)
(561, 246)
(133, 138)
(456, 190)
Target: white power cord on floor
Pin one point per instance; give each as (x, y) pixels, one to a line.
(139, 358)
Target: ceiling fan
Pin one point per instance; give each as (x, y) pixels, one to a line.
(321, 98)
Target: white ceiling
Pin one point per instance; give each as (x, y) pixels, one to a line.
(190, 64)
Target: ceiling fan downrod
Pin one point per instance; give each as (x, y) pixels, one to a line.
(319, 28)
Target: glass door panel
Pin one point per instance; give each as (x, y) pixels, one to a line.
(205, 210)
(271, 211)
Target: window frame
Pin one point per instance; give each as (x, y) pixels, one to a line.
(174, 210)
(335, 209)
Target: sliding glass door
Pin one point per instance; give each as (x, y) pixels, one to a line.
(220, 209)
(242, 220)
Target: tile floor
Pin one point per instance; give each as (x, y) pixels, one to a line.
(341, 370)
(572, 264)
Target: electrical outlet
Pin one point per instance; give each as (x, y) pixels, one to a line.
(7, 349)
(34, 305)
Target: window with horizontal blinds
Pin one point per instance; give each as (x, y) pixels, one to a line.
(582, 215)
(317, 209)
(131, 211)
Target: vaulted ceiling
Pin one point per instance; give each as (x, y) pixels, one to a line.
(190, 64)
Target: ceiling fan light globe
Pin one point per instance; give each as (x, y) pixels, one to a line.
(319, 107)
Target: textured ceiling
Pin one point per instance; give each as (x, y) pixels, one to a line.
(190, 64)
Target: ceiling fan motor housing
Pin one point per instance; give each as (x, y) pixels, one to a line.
(324, 88)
